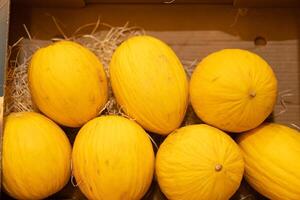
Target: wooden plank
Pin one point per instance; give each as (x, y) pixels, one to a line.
(163, 1)
(52, 3)
(4, 17)
(179, 17)
(266, 3)
(237, 3)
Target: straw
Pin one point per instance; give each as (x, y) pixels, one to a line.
(283, 102)
(102, 43)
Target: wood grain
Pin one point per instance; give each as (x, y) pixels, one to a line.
(4, 17)
(266, 3)
(246, 25)
(52, 3)
(163, 1)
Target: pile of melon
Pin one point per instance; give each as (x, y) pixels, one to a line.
(232, 91)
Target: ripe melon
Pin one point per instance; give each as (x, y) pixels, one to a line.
(199, 162)
(150, 83)
(113, 159)
(233, 89)
(36, 159)
(272, 160)
(67, 83)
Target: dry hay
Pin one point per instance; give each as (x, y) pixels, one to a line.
(104, 46)
(102, 43)
(17, 95)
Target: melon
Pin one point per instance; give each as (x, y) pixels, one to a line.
(199, 162)
(149, 83)
(272, 160)
(67, 83)
(36, 158)
(113, 159)
(234, 90)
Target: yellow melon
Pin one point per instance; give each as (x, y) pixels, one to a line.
(234, 90)
(150, 83)
(272, 160)
(113, 159)
(36, 156)
(199, 162)
(67, 83)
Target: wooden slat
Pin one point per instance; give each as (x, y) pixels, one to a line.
(4, 17)
(237, 3)
(163, 1)
(179, 17)
(266, 3)
(52, 3)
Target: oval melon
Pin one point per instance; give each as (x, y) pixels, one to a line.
(272, 160)
(233, 89)
(67, 83)
(36, 160)
(199, 162)
(150, 83)
(113, 159)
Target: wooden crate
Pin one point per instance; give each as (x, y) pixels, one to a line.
(193, 28)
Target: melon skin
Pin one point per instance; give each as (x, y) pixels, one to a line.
(150, 83)
(113, 159)
(36, 160)
(234, 90)
(199, 162)
(67, 83)
(272, 160)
